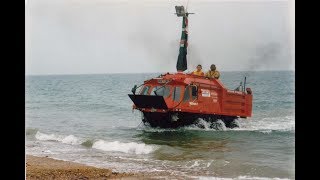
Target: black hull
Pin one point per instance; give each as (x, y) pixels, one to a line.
(180, 119)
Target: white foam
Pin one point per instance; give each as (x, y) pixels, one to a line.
(46, 137)
(48, 151)
(71, 139)
(206, 125)
(213, 178)
(241, 178)
(260, 178)
(266, 124)
(266, 131)
(131, 147)
(196, 163)
(221, 125)
(209, 163)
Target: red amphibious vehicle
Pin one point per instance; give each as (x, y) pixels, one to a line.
(179, 99)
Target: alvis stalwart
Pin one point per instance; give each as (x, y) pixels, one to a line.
(178, 99)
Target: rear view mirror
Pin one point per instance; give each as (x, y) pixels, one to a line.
(133, 90)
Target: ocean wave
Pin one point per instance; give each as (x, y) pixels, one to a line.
(87, 143)
(31, 131)
(130, 147)
(70, 139)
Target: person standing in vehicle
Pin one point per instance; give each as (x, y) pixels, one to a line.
(213, 73)
(198, 71)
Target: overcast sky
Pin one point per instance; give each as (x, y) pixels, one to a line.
(122, 36)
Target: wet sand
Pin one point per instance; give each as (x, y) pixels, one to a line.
(48, 168)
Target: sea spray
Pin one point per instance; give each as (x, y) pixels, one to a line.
(131, 147)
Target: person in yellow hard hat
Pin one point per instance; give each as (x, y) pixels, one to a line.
(213, 73)
(198, 71)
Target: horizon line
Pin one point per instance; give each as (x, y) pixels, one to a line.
(105, 73)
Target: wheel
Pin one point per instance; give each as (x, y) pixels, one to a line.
(218, 125)
(234, 124)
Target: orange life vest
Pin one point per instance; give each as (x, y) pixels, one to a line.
(198, 73)
(213, 74)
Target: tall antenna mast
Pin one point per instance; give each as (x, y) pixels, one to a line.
(187, 6)
(182, 58)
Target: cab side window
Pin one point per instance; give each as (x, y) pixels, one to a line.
(186, 96)
(176, 94)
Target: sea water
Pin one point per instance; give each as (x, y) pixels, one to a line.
(89, 119)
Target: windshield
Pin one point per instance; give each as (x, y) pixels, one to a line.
(161, 91)
(144, 90)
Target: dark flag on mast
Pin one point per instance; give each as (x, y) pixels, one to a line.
(182, 58)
